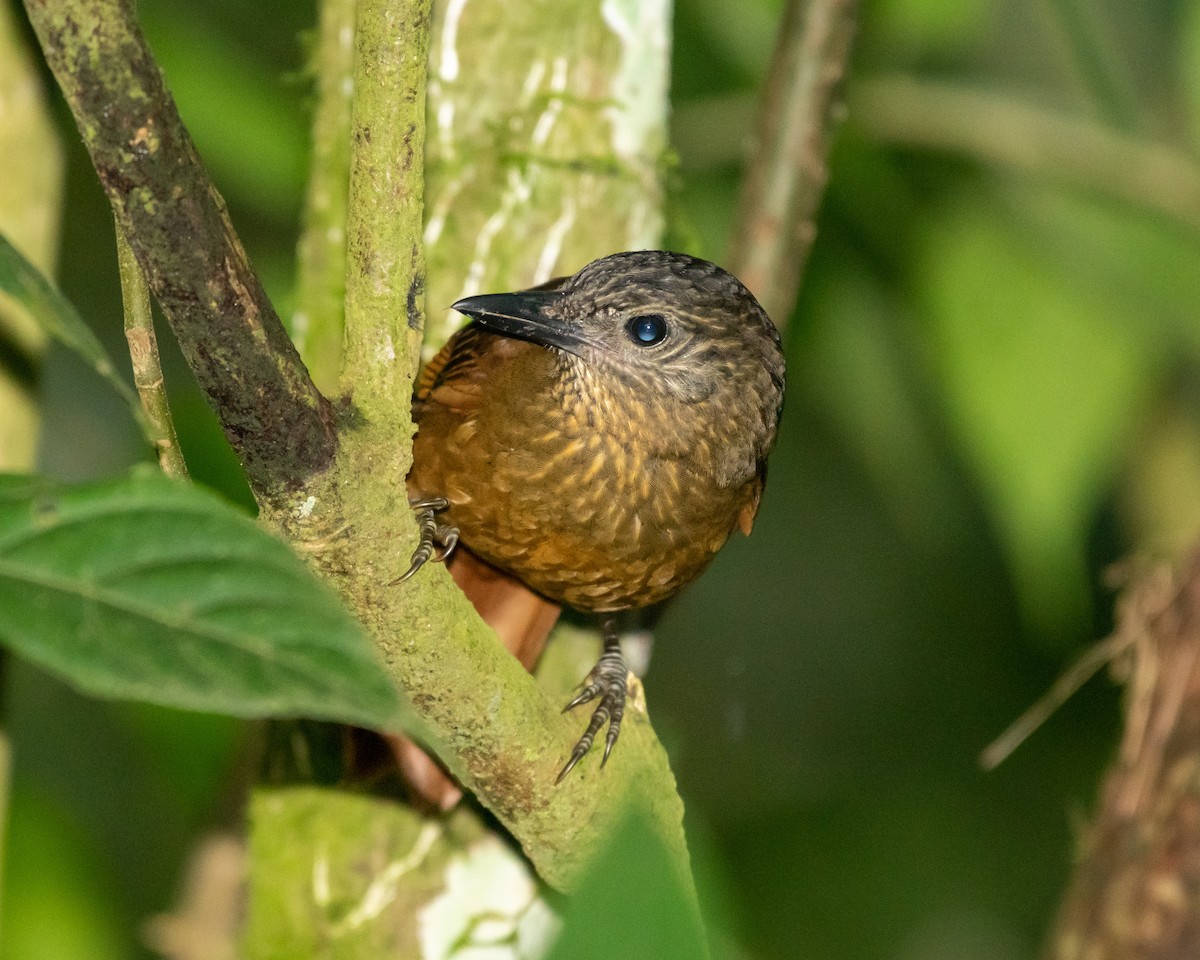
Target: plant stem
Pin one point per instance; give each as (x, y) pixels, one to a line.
(385, 275)
(343, 499)
(143, 354)
(501, 736)
(788, 165)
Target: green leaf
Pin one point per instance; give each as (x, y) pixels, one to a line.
(149, 589)
(632, 904)
(55, 315)
(1043, 379)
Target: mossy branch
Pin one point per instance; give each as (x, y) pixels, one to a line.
(176, 222)
(495, 729)
(385, 277)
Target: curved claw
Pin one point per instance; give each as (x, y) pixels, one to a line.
(614, 731)
(417, 563)
(607, 681)
(432, 536)
(576, 756)
(588, 693)
(447, 536)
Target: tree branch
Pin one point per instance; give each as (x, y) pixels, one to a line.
(1135, 888)
(385, 269)
(498, 731)
(788, 164)
(546, 144)
(277, 422)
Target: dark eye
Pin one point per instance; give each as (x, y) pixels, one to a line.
(648, 330)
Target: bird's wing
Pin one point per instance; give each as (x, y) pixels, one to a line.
(455, 377)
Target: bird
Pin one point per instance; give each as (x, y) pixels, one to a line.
(597, 439)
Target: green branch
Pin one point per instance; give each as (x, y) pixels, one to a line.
(496, 729)
(143, 355)
(385, 276)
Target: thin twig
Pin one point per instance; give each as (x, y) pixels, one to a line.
(788, 165)
(143, 353)
(1067, 684)
(1006, 132)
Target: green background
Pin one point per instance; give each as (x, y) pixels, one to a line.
(992, 397)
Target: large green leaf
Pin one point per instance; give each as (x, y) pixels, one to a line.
(148, 589)
(632, 904)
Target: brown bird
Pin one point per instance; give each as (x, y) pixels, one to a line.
(598, 439)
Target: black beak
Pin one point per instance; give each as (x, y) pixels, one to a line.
(524, 316)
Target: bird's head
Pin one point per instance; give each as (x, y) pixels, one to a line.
(677, 335)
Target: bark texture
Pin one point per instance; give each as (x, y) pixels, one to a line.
(180, 232)
(1135, 894)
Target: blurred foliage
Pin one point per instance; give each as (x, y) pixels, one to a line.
(644, 915)
(992, 397)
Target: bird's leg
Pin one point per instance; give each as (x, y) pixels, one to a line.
(433, 536)
(607, 680)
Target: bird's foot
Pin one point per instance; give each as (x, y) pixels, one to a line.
(435, 538)
(607, 681)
